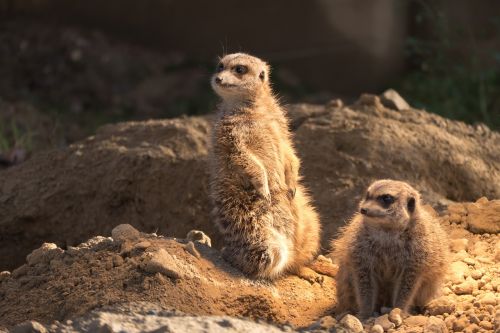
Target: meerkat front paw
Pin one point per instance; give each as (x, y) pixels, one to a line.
(325, 266)
(262, 188)
(309, 275)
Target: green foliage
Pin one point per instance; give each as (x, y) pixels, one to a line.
(12, 136)
(447, 82)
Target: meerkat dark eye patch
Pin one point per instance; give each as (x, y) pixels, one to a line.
(220, 67)
(386, 200)
(262, 75)
(240, 69)
(411, 205)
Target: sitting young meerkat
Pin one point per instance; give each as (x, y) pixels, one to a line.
(392, 253)
(261, 208)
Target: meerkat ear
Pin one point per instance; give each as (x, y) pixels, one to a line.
(411, 204)
(262, 75)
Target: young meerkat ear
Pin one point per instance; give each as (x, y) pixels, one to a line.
(411, 204)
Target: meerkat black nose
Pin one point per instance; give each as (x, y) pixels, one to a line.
(363, 211)
(218, 80)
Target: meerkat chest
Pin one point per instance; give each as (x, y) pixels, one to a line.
(390, 254)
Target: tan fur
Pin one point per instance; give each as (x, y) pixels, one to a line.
(262, 210)
(389, 256)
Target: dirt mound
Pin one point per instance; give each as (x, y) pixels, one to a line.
(119, 271)
(56, 284)
(153, 174)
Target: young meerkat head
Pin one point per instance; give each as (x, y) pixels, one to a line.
(240, 76)
(389, 204)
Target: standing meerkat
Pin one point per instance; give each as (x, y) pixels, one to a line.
(263, 211)
(392, 253)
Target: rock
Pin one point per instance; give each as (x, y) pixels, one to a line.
(384, 322)
(351, 324)
(29, 327)
(486, 325)
(377, 329)
(395, 317)
(44, 254)
(489, 299)
(335, 103)
(484, 260)
(497, 252)
(460, 255)
(4, 275)
(142, 317)
(391, 99)
(370, 100)
(20, 271)
(142, 245)
(199, 236)
(473, 328)
(418, 320)
(162, 262)
(124, 232)
(466, 287)
(192, 249)
(460, 244)
(476, 274)
(441, 305)
(480, 248)
(449, 321)
(435, 325)
(117, 261)
(484, 217)
(455, 218)
(458, 271)
(324, 323)
(457, 208)
(469, 261)
(460, 324)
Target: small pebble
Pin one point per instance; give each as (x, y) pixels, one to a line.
(377, 329)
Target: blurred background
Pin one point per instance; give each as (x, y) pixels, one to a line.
(68, 67)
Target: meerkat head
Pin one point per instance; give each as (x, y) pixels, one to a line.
(240, 76)
(389, 204)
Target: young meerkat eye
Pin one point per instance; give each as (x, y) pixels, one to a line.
(220, 67)
(386, 199)
(240, 69)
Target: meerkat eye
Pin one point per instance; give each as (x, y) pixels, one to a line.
(220, 67)
(240, 69)
(386, 199)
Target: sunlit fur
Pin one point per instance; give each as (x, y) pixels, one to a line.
(391, 257)
(261, 208)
